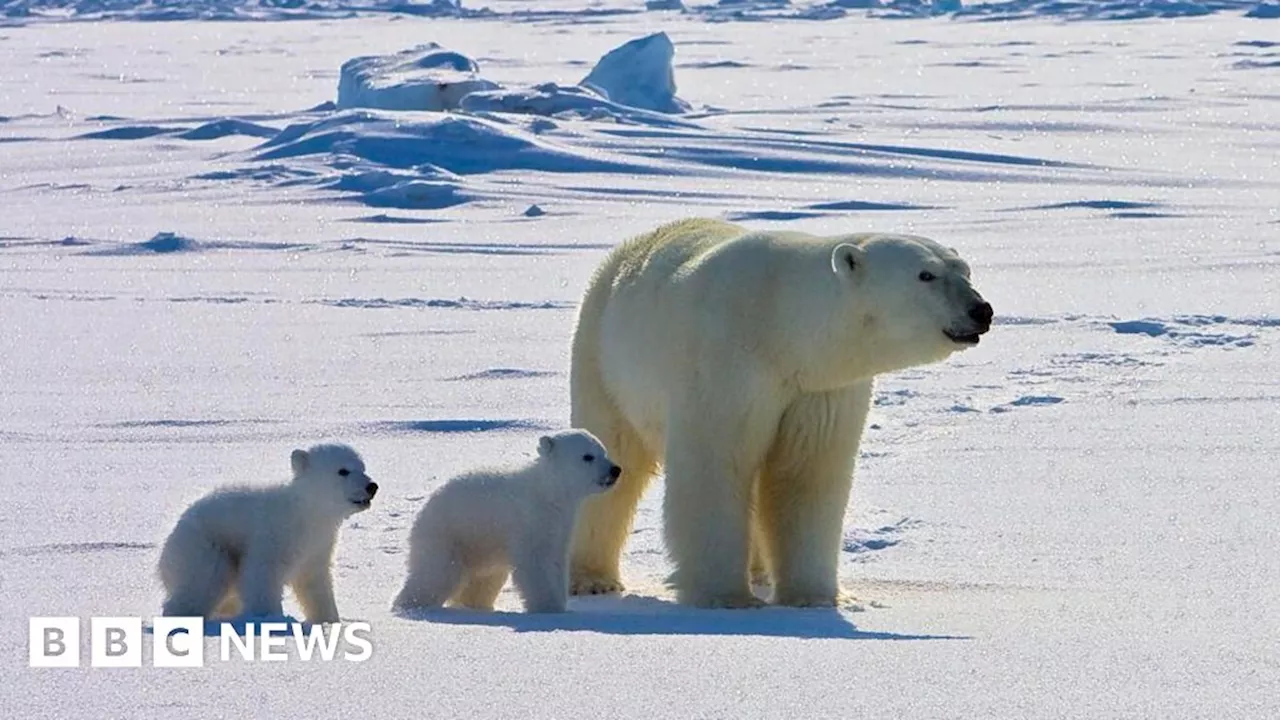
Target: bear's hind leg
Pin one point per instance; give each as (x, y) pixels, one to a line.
(480, 588)
(805, 489)
(434, 574)
(230, 605)
(196, 576)
(761, 575)
(604, 520)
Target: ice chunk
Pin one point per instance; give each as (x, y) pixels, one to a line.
(639, 74)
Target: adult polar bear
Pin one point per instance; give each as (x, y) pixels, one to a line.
(742, 362)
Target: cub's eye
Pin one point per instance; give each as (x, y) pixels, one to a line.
(344, 472)
(588, 458)
(926, 276)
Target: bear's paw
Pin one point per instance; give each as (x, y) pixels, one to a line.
(586, 583)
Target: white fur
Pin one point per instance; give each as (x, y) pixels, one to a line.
(484, 526)
(743, 363)
(235, 549)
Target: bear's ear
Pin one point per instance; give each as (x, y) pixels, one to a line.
(545, 443)
(847, 259)
(299, 459)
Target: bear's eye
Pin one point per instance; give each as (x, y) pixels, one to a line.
(926, 276)
(588, 458)
(344, 472)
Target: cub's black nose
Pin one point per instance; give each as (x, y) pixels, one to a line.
(982, 313)
(615, 471)
(371, 488)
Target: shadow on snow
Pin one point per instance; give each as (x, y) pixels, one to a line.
(636, 615)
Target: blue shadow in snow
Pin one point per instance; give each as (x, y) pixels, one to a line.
(637, 615)
(456, 426)
(131, 132)
(241, 624)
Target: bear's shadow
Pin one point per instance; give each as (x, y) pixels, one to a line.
(639, 615)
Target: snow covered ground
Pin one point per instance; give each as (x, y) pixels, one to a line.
(204, 264)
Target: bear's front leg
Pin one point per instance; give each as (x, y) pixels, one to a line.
(715, 446)
(313, 586)
(804, 490)
(541, 567)
(261, 582)
(543, 583)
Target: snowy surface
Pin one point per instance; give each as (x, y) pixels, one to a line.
(205, 264)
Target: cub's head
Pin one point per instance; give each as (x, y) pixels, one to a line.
(580, 460)
(913, 296)
(334, 476)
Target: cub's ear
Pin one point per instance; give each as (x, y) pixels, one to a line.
(847, 259)
(299, 459)
(545, 443)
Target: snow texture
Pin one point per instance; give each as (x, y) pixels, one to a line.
(207, 262)
(719, 11)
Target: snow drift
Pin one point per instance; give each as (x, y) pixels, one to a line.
(427, 77)
(457, 143)
(422, 160)
(550, 99)
(637, 76)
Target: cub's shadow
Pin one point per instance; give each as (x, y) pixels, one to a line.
(243, 624)
(639, 615)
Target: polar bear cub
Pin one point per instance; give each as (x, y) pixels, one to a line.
(236, 548)
(483, 526)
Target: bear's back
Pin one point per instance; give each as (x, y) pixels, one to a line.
(483, 503)
(229, 516)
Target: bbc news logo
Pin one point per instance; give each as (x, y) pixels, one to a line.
(178, 642)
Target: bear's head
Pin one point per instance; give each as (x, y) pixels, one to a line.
(910, 299)
(578, 459)
(333, 477)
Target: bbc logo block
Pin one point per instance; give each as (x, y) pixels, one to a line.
(54, 641)
(115, 642)
(179, 642)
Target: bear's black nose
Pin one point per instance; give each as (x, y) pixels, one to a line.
(615, 471)
(982, 313)
(371, 488)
